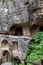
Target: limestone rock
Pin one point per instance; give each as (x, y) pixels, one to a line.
(7, 63)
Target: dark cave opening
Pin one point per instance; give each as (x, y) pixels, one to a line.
(41, 28)
(18, 31)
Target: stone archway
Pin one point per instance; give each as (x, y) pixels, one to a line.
(5, 52)
(5, 43)
(5, 55)
(16, 30)
(15, 45)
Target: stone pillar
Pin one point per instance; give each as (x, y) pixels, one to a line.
(26, 31)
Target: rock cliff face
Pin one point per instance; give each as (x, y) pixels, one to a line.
(15, 44)
(12, 13)
(22, 11)
(15, 17)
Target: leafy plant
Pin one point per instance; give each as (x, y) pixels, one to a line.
(35, 50)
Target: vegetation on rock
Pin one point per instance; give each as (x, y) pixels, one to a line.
(35, 49)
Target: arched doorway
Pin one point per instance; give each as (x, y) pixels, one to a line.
(19, 31)
(5, 52)
(15, 45)
(5, 56)
(16, 30)
(5, 42)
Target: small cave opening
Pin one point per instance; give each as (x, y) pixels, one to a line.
(5, 42)
(18, 31)
(41, 28)
(5, 52)
(5, 55)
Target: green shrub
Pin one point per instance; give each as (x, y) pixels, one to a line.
(35, 50)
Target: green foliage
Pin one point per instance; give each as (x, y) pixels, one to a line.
(38, 37)
(11, 59)
(35, 49)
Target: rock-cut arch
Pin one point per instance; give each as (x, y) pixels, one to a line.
(5, 52)
(5, 42)
(5, 55)
(16, 30)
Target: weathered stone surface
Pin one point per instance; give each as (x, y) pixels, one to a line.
(18, 12)
(22, 42)
(7, 63)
